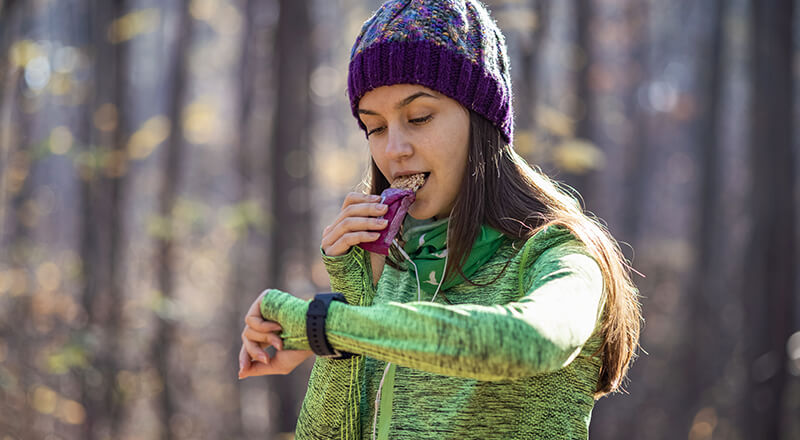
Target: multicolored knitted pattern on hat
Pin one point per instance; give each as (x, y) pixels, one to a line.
(451, 46)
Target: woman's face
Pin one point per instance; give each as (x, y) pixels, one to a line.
(412, 129)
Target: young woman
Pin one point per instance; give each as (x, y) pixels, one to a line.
(502, 310)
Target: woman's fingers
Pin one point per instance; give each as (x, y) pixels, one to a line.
(360, 211)
(252, 354)
(257, 336)
(361, 223)
(253, 350)
(244, 360)
(366, 209)
(353, 238)
(269, 338)
(259, 324)
(345, 242)
(352, 226)
(350, 232)
(260, 330)
(356, 197)
(283, 363)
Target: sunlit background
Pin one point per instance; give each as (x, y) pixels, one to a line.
(162, 162)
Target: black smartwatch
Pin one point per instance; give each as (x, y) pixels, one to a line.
(315, 326)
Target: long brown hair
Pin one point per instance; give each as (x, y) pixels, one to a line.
(503, 191)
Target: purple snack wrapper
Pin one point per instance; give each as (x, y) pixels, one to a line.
(398, 200)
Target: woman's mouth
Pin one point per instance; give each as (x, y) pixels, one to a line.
(425, 181)
(411, 182)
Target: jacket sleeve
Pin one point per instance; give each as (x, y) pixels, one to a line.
(351, 275)
(542, 331)
(330, 407)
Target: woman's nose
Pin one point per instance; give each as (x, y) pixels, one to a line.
(398, 146)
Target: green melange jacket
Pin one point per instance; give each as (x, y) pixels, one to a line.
(512, 360)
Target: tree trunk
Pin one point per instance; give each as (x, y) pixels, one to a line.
(243, 160)
(289, 165)
(102, 229)
(15, 236)
(770, 283)
(172, 171)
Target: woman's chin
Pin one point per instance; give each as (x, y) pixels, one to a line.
(419, 212)
(419, 217)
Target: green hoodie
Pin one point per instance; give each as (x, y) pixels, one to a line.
(512, 360)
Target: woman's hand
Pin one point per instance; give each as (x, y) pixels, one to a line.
(258, 334)
(284, 362)
(355, 224)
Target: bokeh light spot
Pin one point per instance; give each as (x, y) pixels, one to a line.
(19, 282)
(60, 84)
(325, 81)
(705, 421)
(132, 24)
(203, 9)
(105, 118)
(556, 122)
(71, 412)
(37, 73)
(65, 59)
(116, 163)
(337, 167)
(49, 276)
(199, 121)
(578, 156)
(793, 351)
(60, 140)
(23, 51)
(145, 140)
(43, 399)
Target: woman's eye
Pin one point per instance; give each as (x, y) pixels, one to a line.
(417, 121)
(374, 130)
(421, 120)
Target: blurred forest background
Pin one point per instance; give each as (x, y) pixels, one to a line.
(162, 162)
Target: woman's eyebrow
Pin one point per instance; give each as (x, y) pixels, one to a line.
(400, 104)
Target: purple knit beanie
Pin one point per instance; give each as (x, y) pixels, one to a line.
(451, 46)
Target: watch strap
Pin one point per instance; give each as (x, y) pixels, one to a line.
(315, 326)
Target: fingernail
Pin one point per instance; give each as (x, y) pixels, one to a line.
(374, 197)
(382, 206)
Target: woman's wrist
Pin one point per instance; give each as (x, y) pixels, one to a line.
(290, 312)
(340, 265)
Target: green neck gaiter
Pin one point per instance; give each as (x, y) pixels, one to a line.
(426, 244)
